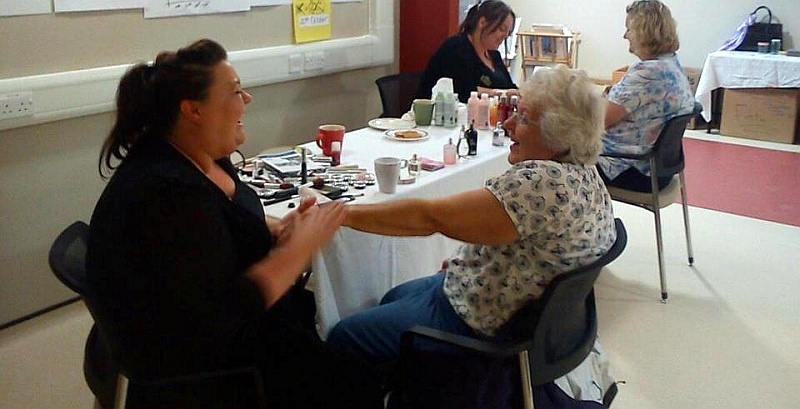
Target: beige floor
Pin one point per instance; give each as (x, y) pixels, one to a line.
(727, 338)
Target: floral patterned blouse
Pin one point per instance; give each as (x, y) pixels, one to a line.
(564, 218)
(652, 92)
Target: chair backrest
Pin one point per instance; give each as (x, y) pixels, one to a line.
(397, 92)
(233, 388)
(562, 323)
(68, 257)
(668, 148)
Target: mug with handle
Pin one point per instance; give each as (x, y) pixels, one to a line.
(328, 134)
(387, 171)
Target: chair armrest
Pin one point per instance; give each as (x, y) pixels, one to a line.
(639, 156)
(464, 343)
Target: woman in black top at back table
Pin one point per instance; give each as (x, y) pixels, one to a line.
(184, 269)
(471, 58)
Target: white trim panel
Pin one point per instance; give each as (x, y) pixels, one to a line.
(72, 94)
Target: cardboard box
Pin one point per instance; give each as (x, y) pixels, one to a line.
(767, 114)
(692, 74)
(617, 74)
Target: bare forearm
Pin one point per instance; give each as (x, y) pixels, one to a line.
(278, 272)
(407, 217)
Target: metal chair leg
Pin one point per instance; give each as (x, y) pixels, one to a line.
(122, 392)
(659, 241)
(525, 373)
(686, 220)
(660, 248)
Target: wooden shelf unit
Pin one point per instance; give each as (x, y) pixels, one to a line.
(547, 48)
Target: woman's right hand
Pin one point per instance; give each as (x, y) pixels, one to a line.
(314, 226)
(301, 235)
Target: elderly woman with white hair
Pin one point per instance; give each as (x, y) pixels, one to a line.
(548, 214)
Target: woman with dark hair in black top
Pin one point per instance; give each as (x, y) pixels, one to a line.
(183, 267)
(470, 57)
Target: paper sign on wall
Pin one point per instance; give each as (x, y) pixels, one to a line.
(94, 5)
(312, 20)
(173, 8)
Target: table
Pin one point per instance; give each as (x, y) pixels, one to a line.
(743, 69)
(354, 271)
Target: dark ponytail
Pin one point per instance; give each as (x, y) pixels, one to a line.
(149, 96)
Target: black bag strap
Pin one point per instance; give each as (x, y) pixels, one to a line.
(765, 8)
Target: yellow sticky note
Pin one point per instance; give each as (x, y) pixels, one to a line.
(312, 20)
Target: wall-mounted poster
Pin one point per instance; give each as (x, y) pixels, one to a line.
(312, 20)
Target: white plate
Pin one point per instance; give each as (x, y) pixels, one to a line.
(391, 123)
(392, 134)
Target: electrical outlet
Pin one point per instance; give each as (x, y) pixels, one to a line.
(16, 105)
(296, 64)
(314, 60)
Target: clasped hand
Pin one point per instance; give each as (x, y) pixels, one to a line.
(310, 225)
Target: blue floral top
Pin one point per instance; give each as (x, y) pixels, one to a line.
(564, 218)
(652, 92)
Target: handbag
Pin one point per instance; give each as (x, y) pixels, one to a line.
(757, 32)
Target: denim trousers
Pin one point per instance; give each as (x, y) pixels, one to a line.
(375, 333)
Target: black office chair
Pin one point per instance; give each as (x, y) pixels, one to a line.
(666, 160)
(543, 341)
(397, 93)
(232, 388)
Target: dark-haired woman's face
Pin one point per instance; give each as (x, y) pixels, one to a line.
(492, 38)
(224, 110)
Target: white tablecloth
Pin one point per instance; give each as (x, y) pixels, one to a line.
(743, 69)
(355, 270)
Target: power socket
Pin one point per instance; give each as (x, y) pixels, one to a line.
(314, 60)
(16, 105)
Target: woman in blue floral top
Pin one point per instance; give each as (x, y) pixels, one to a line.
(548, 214)
(654, 90)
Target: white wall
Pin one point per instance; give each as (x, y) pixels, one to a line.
(703, 25)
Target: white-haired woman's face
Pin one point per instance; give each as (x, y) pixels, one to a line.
(525, 132)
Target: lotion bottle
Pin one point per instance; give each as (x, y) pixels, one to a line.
(472, 107)
(482, 121)
(449, 154)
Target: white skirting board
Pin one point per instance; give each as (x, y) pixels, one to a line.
(71, 94)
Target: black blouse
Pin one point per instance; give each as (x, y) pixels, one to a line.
(456, 58)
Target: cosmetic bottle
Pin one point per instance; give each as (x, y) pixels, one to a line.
(450, 110)
(498, 135)
(482, 121)
(440, 111)
(449, 154)
(493, 110)
(513, 105)
(336, 153)
(413, 166)
(472, 107)
(471, 136)
(462, 147)
(502, 108)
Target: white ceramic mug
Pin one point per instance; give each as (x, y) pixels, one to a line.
(387, 171)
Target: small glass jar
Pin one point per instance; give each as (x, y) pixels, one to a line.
(775, 46)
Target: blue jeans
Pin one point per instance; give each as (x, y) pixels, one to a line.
(375, 333)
